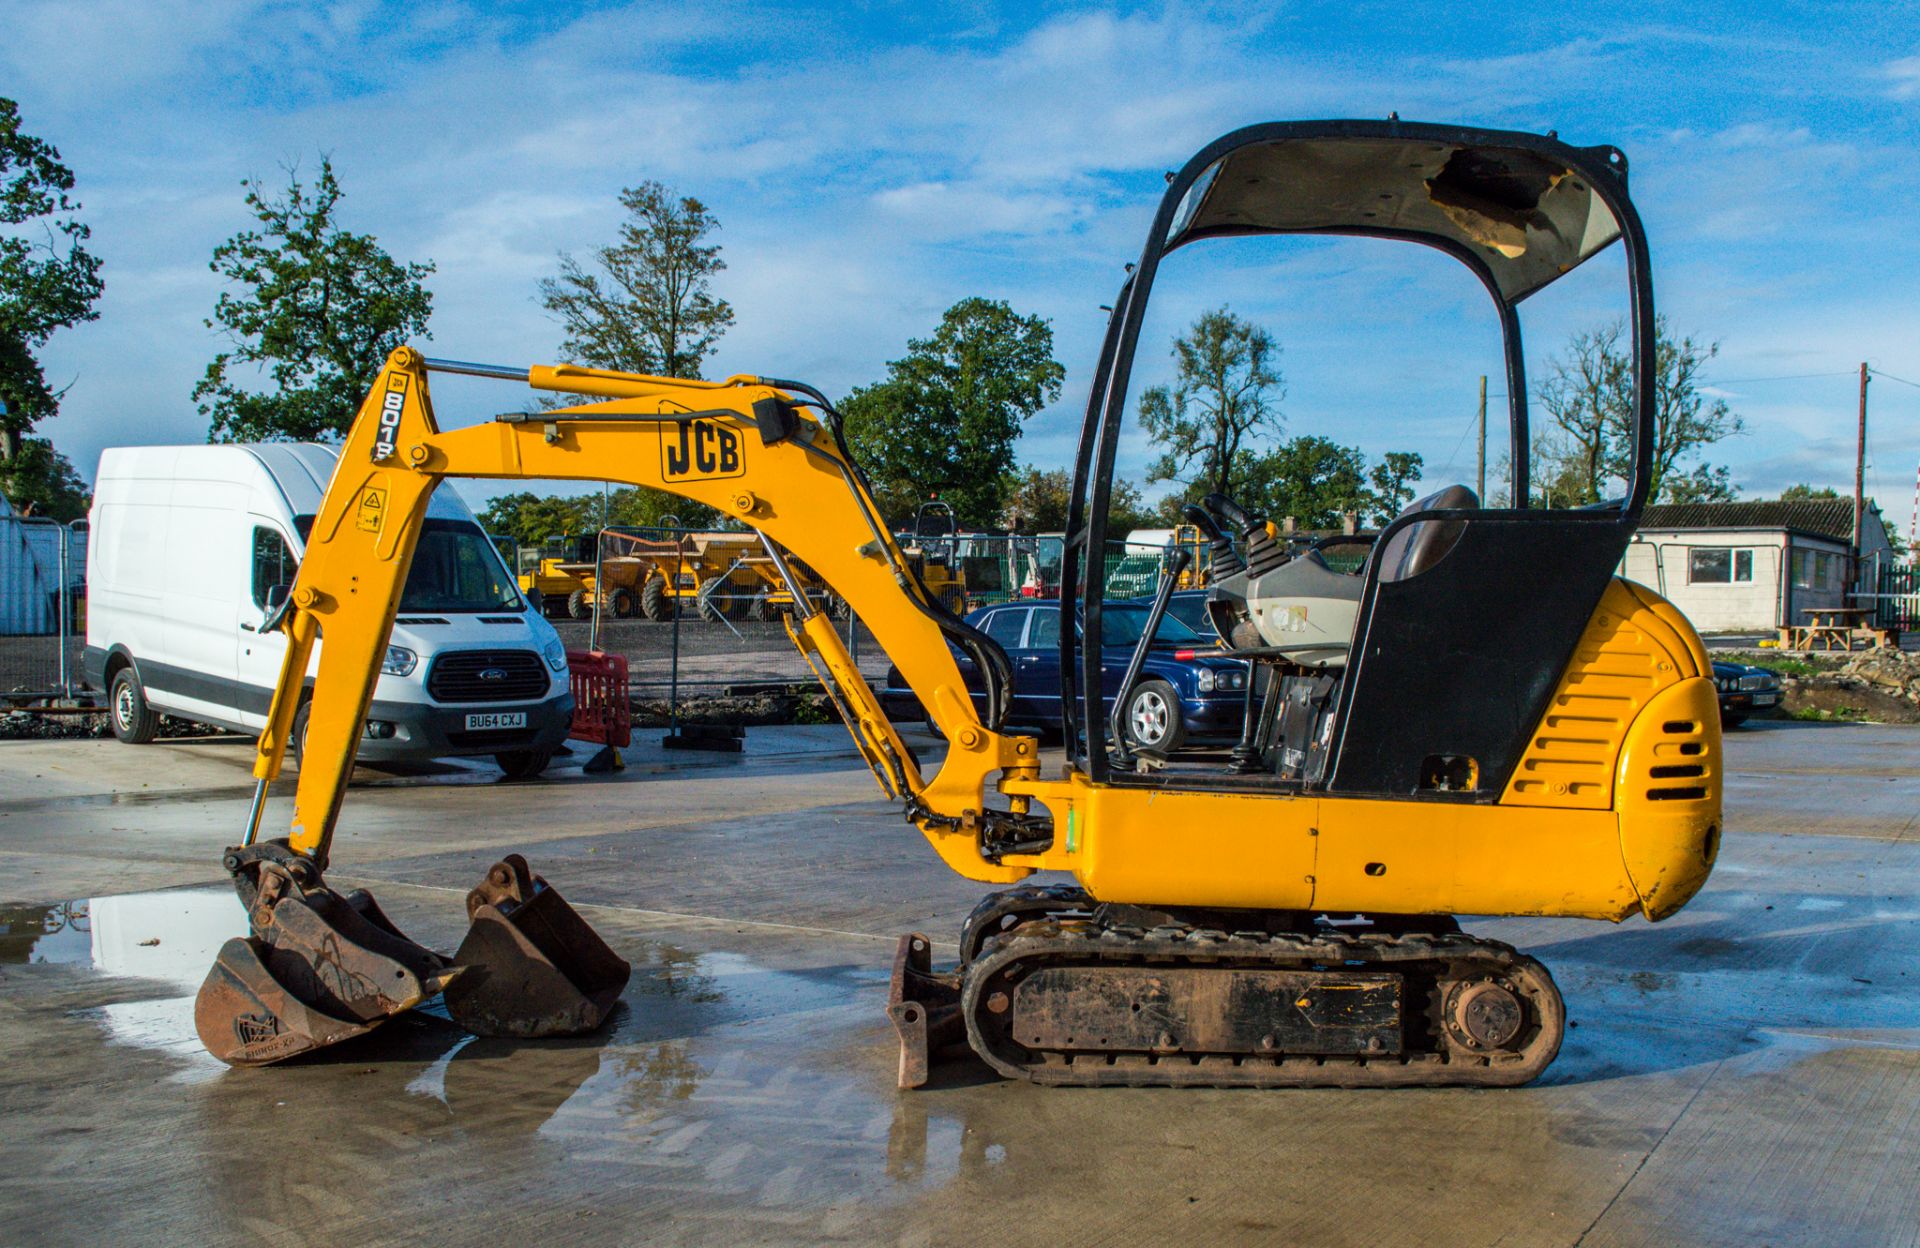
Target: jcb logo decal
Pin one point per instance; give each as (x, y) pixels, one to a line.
(704, 451)
(390, 409)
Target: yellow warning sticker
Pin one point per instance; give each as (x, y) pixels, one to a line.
(373, 508)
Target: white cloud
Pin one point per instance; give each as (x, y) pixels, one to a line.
(866, 184)
(1903, 77)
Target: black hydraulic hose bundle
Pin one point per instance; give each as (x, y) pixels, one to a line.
(995, 668)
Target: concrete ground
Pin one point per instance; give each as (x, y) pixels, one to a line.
(1747, 1073)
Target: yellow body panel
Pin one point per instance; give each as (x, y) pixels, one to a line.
(1627, 654)
(1595, 822)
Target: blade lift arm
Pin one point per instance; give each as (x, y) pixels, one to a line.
(743, 446)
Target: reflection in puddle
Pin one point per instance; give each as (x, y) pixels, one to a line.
(170, 936)
(766, 1085)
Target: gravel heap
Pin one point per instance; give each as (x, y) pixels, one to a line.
(1882, 685)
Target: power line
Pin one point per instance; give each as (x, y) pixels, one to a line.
(1874, 372)
(1748, 381)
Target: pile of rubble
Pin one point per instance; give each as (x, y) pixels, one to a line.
(1880, 684)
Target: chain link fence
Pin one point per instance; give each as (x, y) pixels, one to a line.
(43, 569)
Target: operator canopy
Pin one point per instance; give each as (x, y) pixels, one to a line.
(1524, 216)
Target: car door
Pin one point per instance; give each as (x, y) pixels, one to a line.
(1036, 669)
(1008, 626)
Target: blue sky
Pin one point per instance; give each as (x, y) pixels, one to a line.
(872, 164)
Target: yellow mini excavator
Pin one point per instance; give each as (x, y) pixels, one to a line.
(1479, 718)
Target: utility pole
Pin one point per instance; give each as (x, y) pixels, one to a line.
(1860, 477)
(1480, 481)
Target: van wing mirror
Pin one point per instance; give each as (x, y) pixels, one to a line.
(279, 601)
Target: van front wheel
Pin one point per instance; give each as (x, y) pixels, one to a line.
(523, 764)
(133, 720)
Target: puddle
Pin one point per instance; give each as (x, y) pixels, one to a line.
(771, 1086)
(169, 937)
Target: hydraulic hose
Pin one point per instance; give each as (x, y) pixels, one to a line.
(995, 668)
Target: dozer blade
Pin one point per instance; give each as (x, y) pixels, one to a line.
(530, 965)
(317, 968)
(924, 1007)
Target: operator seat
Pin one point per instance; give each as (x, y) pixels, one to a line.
(1425, 543)
(1311, 610)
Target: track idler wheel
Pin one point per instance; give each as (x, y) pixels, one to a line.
(318, 967)
(530, 965)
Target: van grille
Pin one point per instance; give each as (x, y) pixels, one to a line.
(470, 676)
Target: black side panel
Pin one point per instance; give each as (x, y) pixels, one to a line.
(1462, 659)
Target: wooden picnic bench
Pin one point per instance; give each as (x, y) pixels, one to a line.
(1837, 628)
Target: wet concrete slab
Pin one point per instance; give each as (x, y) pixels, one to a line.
(1745, 1073)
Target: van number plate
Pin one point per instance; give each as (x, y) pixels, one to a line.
(496, 719)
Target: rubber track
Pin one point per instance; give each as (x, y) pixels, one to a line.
(1006, 958)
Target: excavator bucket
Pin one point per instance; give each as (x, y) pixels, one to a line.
(318, 966)
(530, 965)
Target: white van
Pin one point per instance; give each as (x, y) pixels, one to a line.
(187, 541)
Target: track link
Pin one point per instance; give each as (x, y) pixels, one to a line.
(1069, 1001)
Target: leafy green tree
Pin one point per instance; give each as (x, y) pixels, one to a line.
(1806, 493)
(315, 306)
(530, 518)
(1313, 479)
(1037, 502)
(646, 305)
(945, 419)
(39, 481)
(649, 508)
(649, 306)
(48, 281)
(1393, 481)
(1226, 389)
(1588, 394)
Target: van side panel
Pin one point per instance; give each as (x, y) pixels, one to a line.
(206, 560)
(126, 559)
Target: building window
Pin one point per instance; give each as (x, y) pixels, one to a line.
(1826, 570)
(1801, 565)
(1719, 565)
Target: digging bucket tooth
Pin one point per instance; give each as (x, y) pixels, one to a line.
(530, 965)
(316, 968)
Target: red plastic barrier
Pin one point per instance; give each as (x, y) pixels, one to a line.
(600, 708)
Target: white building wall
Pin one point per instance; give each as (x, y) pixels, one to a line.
(1661, 559)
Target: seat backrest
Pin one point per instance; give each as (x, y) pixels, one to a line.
(1424, 543)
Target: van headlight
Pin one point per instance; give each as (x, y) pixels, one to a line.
(400, 661)
(556, 653)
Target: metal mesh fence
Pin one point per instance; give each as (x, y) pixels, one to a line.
(42, 607)
(619, 591)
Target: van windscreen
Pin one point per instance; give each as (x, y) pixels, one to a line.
(457, 568)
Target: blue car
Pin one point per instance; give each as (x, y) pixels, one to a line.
(1184, 694)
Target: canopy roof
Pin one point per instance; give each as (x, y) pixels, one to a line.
(1523, 213)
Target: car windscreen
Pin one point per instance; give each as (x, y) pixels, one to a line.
(1122, 623)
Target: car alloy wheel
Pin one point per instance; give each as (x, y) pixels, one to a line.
(1150, 717)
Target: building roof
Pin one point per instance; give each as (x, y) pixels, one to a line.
(1824, 517)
